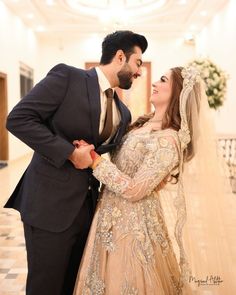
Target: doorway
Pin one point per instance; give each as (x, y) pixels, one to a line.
(137, 97)
(3, 116)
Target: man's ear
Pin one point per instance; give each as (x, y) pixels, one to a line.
(120, 57)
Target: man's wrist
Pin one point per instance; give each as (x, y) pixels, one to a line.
(93, 155)
(71, 156)
(96, 162)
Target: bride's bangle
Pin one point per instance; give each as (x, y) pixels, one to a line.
(96, 162)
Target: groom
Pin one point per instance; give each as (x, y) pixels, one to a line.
(56, 196)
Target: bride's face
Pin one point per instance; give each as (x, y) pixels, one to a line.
(162, 90)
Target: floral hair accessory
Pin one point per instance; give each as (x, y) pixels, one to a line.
(190, 75)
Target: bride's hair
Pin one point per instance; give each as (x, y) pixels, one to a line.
(172, 117)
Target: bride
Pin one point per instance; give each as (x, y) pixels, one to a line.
(135, 245)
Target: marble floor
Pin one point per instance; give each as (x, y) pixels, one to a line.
(13, 268)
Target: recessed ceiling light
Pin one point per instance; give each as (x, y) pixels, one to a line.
(193, 27)
(50, 2)
(40, 29)
(189, 37)
(203, 13)
(30, 15)
(182, 2)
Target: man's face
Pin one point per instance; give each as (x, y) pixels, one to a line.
(131, 70)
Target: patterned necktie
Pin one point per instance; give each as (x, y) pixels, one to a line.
(108, 125)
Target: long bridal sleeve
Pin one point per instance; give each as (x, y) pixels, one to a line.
(159, 159)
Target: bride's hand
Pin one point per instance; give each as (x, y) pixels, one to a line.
(81, 156)
(81, 142)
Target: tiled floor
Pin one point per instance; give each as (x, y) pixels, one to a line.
(13, 268)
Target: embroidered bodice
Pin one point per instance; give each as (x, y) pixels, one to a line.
(129, 223)
(129, 201)
(140, 164)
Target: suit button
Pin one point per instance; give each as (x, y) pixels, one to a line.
(89, 188)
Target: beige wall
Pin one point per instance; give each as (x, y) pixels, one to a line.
(19, 43)
(218, 42)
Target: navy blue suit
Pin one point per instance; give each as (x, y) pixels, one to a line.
(52, 195)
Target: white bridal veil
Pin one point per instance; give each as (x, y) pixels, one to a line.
(205, 241)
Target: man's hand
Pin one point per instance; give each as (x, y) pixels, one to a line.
(81, 142)
(81, 157)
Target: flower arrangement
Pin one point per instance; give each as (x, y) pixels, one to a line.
(215, 80)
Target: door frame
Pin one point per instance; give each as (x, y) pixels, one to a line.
(119, 91)
(4, 148)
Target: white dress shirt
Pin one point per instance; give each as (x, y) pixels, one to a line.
(104, 85)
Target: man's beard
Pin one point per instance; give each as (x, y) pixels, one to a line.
(125, 77)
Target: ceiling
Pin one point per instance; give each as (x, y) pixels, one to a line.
(163, 17)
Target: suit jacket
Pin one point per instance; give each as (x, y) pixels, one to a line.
(62, 107)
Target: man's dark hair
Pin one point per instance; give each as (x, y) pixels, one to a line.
(124, 40)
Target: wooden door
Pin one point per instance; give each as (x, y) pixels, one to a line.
(137, 97)
(3, 116)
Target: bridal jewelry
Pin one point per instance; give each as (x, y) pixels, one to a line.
(154, 121)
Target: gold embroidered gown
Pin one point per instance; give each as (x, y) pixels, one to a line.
(128, 250)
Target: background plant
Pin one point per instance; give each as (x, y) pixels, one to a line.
(215, 80)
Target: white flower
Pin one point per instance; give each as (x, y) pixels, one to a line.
(215, 80)
(205, 73)
(210, 99)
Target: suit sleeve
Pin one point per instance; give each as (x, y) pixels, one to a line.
(160, 160)
(29, 118)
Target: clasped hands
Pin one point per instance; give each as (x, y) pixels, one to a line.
(83, 155)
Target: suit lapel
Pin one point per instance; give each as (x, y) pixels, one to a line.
(119, 106)
(94, 100)
(95, 107)
(122, 118)
(124, 121)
